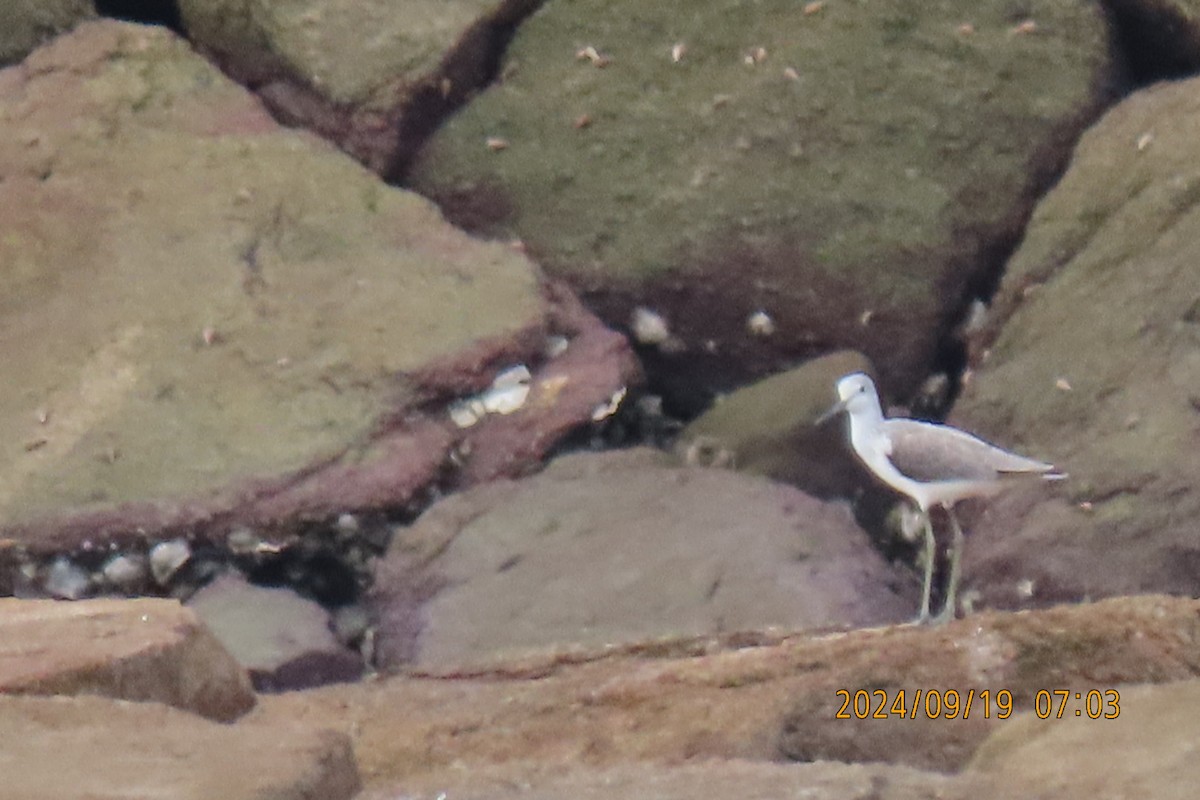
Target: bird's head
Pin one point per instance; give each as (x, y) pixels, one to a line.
(855, 391)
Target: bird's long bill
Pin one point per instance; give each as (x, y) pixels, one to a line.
(833, 411)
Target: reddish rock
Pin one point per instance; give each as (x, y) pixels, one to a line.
(705, 780)
(1109, 741)
(63, 748)
(755, 696)
(292, 358)
(145, 650)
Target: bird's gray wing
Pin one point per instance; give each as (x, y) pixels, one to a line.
(925, 451)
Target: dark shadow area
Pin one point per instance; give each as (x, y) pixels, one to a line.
(469, 68)
(148, 12)
(1157, 44)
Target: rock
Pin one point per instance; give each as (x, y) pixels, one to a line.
(595, 368)
(859, 204)
(714, 780)
(298, 347)
(68, 747)
(538, 719)
(126, 572)
(283, 639)
(607, 548)
(29, 24)
(1092, 364)
(371, 79)
(350, 623)
(67, 581)
(1145, 748)
(767, 428)
(145, 650)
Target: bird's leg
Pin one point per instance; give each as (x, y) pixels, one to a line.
(930, 557)
(948, 608)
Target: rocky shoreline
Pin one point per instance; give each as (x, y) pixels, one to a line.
(418, 402)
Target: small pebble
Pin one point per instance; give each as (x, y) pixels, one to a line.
(463, 413)
(649, 327)
(126, 572)
(349, 623)
(67, 581)
(166, 558)
(243, 541)
(760, 324)
(977, 315)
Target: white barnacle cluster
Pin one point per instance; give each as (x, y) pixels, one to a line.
(507, 394)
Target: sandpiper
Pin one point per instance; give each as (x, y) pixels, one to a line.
(934, 465)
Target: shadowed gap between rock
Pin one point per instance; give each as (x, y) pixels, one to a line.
(154, 12)
(1155, 42)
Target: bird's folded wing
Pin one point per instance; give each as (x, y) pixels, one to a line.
(927, 452)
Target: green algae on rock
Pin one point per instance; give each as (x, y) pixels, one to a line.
(853, 173)
(195, 296)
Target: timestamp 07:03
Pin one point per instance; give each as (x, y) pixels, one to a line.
(985, 703)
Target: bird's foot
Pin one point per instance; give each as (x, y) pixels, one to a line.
(921, 619)
(945, 615)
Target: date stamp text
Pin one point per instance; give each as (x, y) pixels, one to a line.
(979, 703)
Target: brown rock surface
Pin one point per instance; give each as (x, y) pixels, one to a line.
(708, 780)
(614, 547)
(670, 702)
(1143, 746)
(1097, 369)
(75, 747)
(145, 650)
(219, 322)
(371, 76)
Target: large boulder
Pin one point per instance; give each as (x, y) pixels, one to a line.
(372, 76)
(1129, 741)
(218, 322)
(145, 650)
(530, 722)
(55, 748)
(1096, 368)
(852, 170)
(621, 547)
(768, 428)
